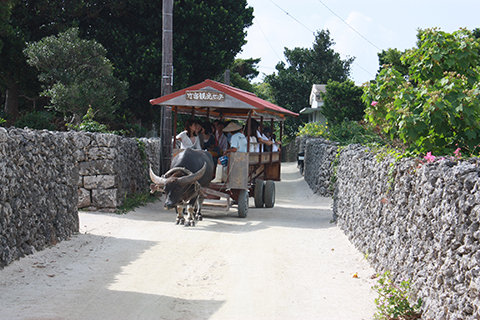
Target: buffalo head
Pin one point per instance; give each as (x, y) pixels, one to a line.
(179, 184)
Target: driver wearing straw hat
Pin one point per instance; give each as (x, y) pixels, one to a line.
(238, 143)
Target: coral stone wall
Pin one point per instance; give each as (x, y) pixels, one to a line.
(420, 221)
(319, 158)
(45, 176)
(111, 166)
(38, 191)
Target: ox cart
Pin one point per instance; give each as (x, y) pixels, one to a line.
(250, 174)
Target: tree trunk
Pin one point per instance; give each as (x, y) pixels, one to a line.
(11, 104)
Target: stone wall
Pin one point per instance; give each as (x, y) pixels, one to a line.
(319, 157)
(45, 176)
(38, 191)
(420, 221)
(111, 166)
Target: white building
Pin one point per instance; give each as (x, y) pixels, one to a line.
(316, 104)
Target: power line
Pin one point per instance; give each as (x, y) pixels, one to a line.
(349, 25)
(288, 14)
(267, 39)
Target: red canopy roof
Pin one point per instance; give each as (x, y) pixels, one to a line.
(220, 100)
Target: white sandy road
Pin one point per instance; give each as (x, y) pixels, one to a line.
(288, 262)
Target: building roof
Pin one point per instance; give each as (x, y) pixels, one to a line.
(220, 100)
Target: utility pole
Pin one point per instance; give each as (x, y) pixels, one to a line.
(167, 84)
(226, 79)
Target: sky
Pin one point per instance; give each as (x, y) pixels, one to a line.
(359, 28)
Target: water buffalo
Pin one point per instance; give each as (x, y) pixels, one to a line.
(190, 171)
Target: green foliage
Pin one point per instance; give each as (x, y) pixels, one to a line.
(5, 12)
(3, 118)
(207, 37)
(142, 149)
(88, 124)
(133, 201)
(137, 130)
(438, 108)
(242, 71)
(476, 33)
(392, 57)
(264, 91)
(393, 301)
(76, 74)
(345, 133)
(291, 85)
(246, 68)
(342, 100)
(36, 120)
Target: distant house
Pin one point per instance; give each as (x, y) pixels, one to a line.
(316, 104)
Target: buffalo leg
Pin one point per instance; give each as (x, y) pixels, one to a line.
(180, 218)
(191, 213)
(198, 207)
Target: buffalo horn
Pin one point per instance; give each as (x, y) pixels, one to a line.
(156, 179)
(191, 178)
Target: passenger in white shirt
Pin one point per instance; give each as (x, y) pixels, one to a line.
(261, 138)
(188, 138)
(272, 143)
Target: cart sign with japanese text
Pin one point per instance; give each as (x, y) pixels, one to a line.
(205, 95)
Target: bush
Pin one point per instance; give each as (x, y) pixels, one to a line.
(36, 120)
(437, 106)
(345, 133)
(393, 301)
(88, 124)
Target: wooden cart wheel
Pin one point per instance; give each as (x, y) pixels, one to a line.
(243, 203)
(258, 194)
(269, 194)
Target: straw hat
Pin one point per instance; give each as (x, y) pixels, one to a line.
(232, 126)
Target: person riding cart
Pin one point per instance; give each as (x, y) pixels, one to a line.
(238, 143)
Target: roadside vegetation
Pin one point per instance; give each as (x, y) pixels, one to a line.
(425, 100)
(133, 201)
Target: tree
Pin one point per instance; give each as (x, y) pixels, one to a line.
(342, 100)
(76, 74)
(264, 91)
(292, 85)
(29, 21)
(207, 37)
(438, 108)
(476, 33)
(242, 71)
(392, 57)
(5, 12)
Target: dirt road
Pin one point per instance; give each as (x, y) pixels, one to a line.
(288, 262)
